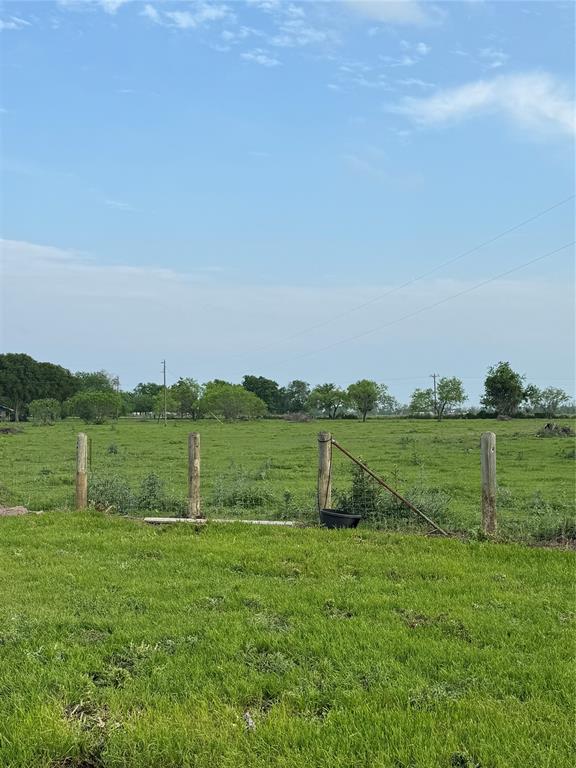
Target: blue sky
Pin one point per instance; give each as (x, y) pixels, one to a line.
(208, 182)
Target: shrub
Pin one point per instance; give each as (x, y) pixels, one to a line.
(94, 407)
(369, 499)
(110, 492)
(45, 411)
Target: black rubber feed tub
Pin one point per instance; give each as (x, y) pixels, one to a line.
(336, 518)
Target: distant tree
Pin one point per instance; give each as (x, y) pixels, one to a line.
(295, 396)
(98, 381)
(533, 397)
(187, 394)
(95, 407)
(364, 396)
(328, 398)
(422, 402)
(45, 411)
(551, 399)
(449, 394)
(169, 400)
(143, 396)
(55, 382)
(23, 379)
(387, 402)
(504, 389)
(231, 401)
(266, 389)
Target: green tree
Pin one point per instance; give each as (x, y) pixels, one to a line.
(295, 396)
(169, 400)
(45, 411)
(421, 402)
(551, 399)
(266, 389)
(143, 396)
(187, 394)
(387, 404)
(504, 389)
(23, 379)
(95, 407)
(328, 399)
(449, 394)
(364, 396)
(231, 401)
(99, 381)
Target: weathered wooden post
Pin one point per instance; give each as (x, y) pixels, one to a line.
(324, 470)
(488, 465)
(81, 471)
(194, 475)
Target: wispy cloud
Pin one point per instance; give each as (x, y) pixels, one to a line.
(197, 15)
(109, 6)
(118, 205)
(14, 22)
(397, 11)
(534, 100)
(259, 56)
(492, 58)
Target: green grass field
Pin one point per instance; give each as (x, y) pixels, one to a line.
(268, 468)
(122, 645)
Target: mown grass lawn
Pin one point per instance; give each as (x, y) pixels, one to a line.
(127, 645)
(272, 465)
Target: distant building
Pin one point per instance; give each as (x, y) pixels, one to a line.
(5, 412)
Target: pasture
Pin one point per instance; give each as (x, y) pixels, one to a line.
(247, 647)
(268, 468)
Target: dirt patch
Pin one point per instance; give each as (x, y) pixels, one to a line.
(13, 511)
(10, 431)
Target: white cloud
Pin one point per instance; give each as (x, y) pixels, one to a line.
(492, 58)
(415, 81)
(109, 6)
(199, 14)
(535, 100)
(14, 22)
(258, 56)
(118, 205)
(397, 11)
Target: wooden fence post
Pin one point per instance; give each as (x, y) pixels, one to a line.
(324, 470)
(81, 471)
(194, 475)
(488, 465)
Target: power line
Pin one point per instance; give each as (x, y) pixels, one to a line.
(435, 304)
(421, 276)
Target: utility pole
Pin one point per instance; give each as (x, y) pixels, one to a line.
(434, 376)
(165, 392)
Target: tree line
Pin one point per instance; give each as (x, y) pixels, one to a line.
(46, 392)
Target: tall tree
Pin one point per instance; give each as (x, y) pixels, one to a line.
(295, 396)
(98, 381)
(364, 396)
(328, 398)
(504, 389)
(23, 379)
(266, 389)
(187, 393)
(449, 394)
(422, 402)
(143, 396)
